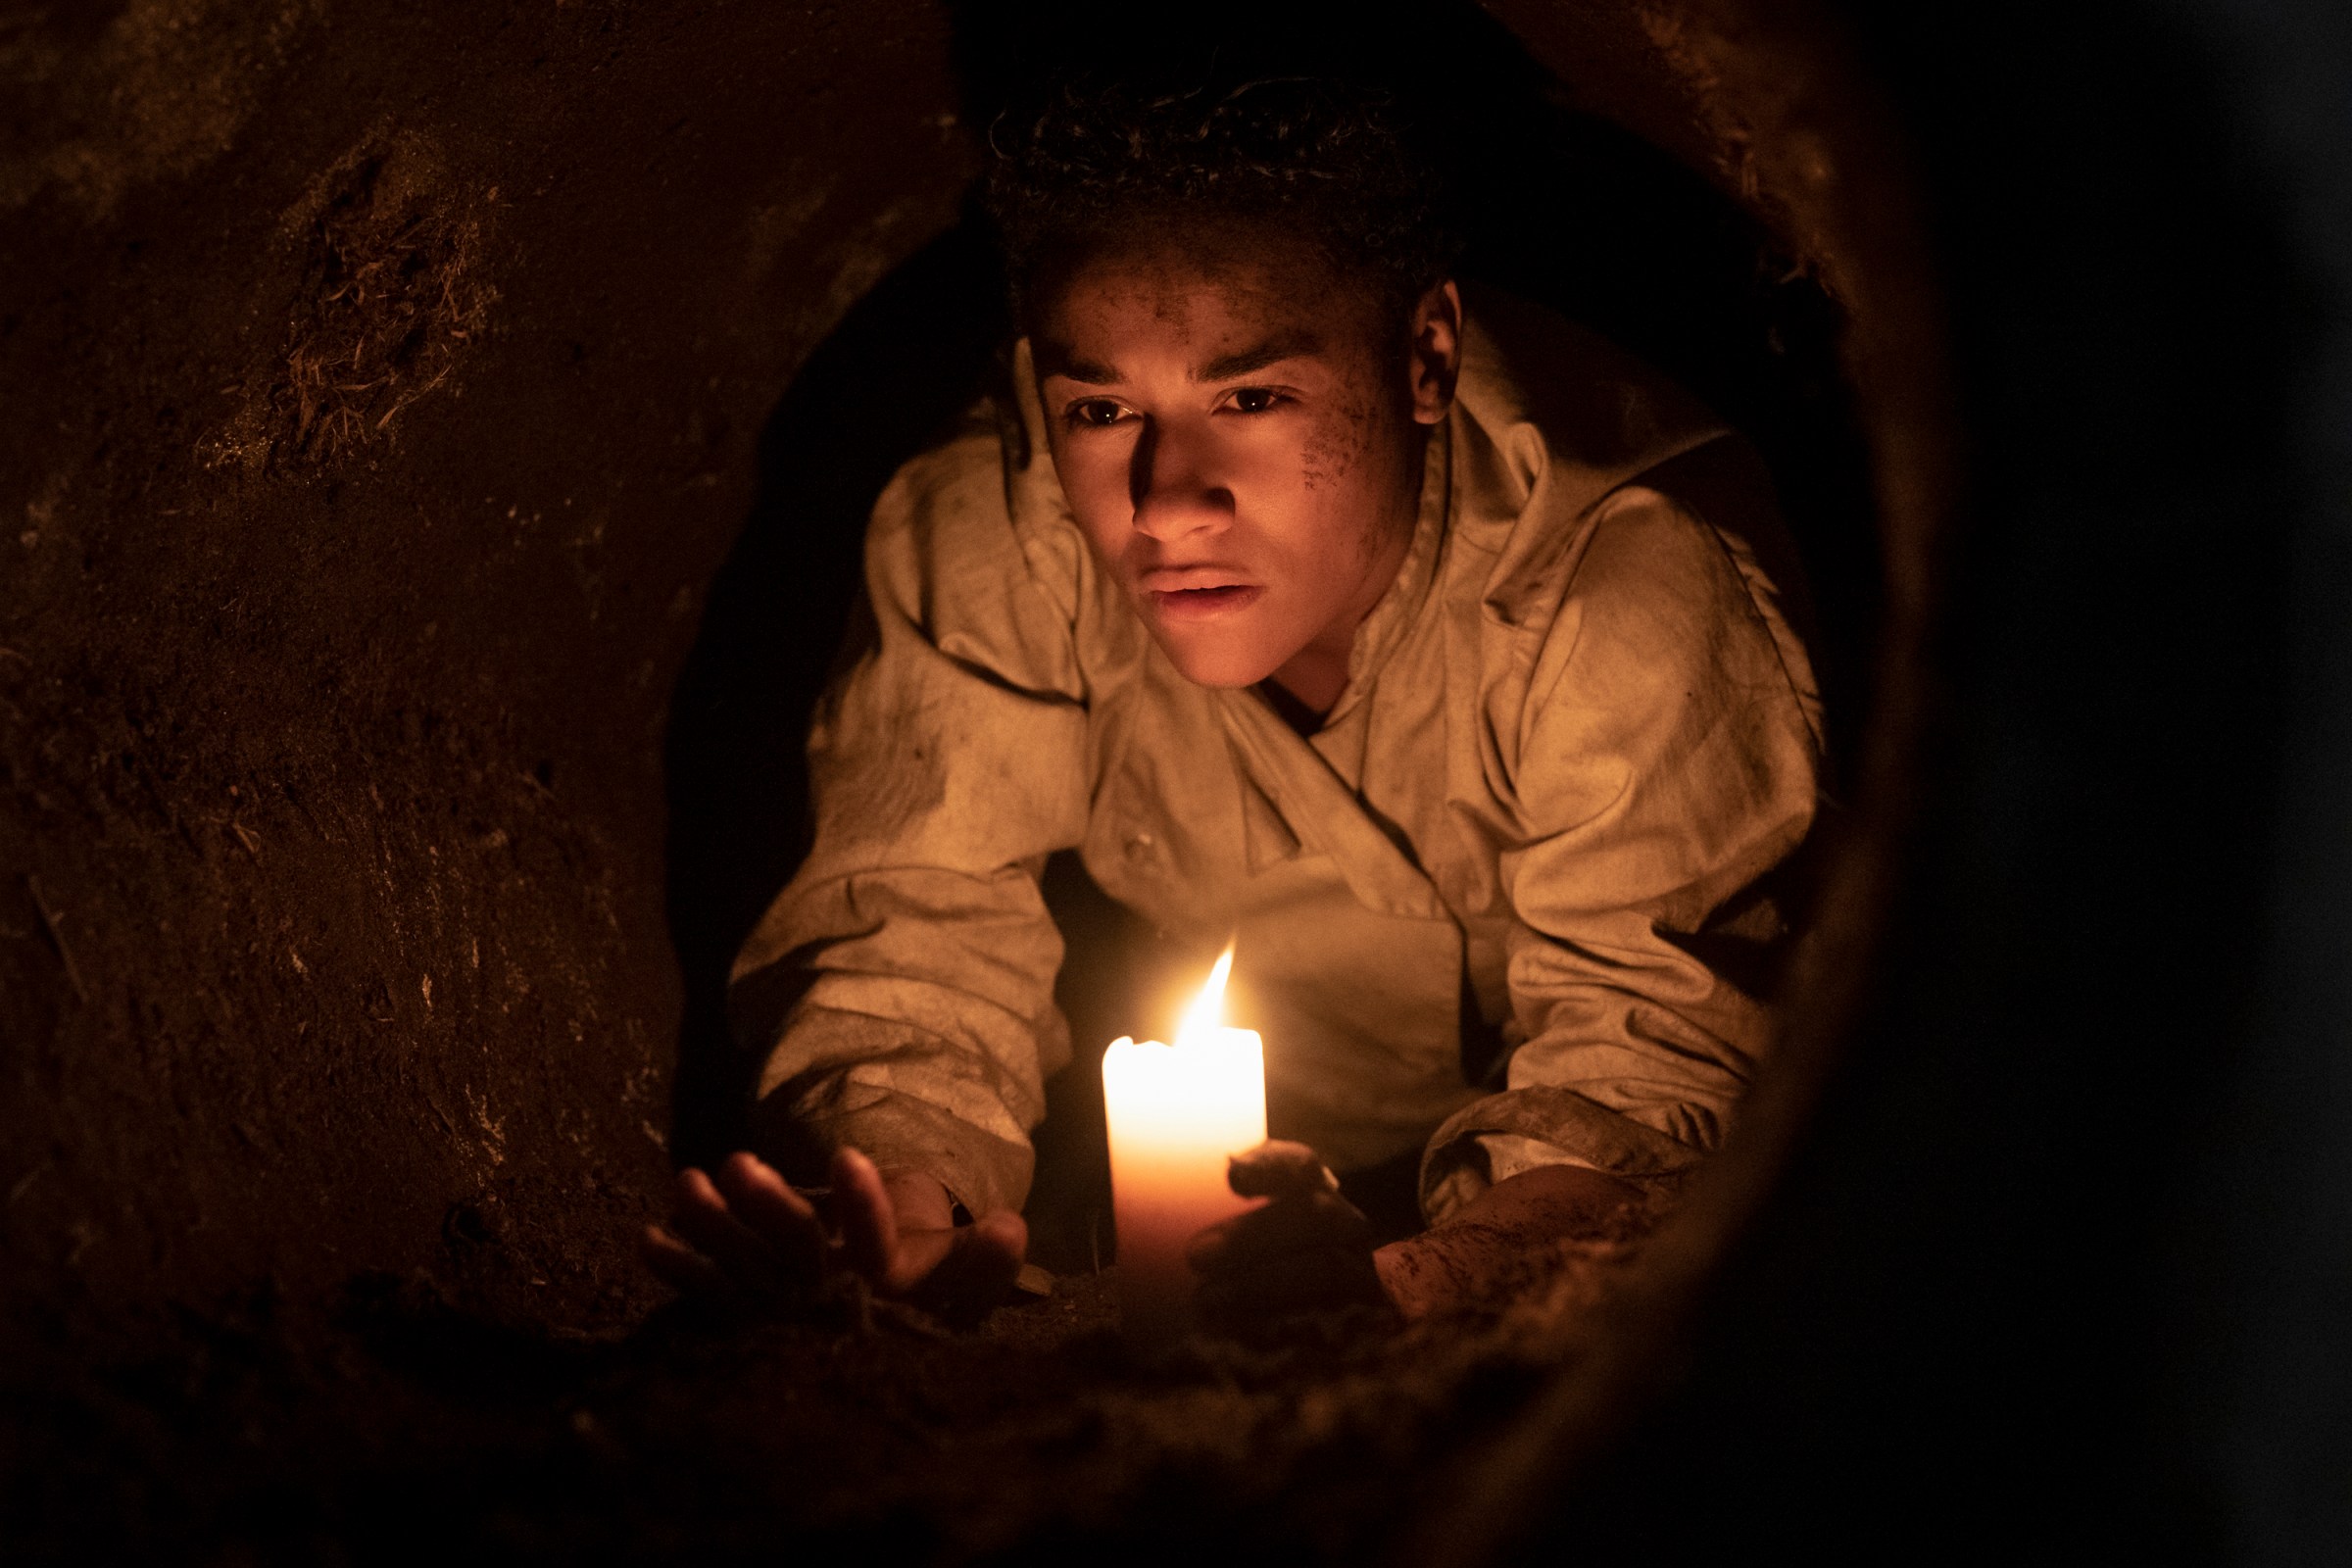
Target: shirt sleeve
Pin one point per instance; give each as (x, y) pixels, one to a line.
(1667, 765)
(902, 985)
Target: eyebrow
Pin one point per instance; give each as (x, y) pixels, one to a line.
(1055, 359)
(1058, 361)
(1273, 351)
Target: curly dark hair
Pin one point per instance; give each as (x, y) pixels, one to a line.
(1336, 162)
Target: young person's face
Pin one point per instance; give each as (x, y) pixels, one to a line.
(1239, 436)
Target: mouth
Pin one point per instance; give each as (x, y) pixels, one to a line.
(1203, 604)
(1198, 592)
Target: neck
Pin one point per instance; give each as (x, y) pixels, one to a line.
(1316, 674)
(1312, 681)
(1314, 677)
(1302, 719)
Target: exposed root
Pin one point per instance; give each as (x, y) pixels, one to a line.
(394, 294)
(55, 923)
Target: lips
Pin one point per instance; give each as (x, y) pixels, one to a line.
(1197, 592)
(1188, 579)
(1203, 603)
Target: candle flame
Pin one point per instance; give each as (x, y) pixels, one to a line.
(1208, 1011)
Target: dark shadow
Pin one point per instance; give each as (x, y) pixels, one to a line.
(1980, 1316)
(905, 361)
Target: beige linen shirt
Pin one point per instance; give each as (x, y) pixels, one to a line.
(1578, 732)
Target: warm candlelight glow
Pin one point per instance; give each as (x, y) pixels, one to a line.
(1208, 1011)
(1176, 1114)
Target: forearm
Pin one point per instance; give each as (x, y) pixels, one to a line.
(1501, 1244)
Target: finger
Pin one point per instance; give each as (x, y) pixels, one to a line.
(1279, 1169)
(869, 1225)
(987, 1253)
(1287, 1225)
(760, 1198)
(704, 1219)
(1007, 1233)
(685, 1270)
(980, 1264)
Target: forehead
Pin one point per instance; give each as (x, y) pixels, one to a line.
(1203, 297)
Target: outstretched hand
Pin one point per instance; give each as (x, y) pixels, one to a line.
(741, 1237)
(1306, 1248)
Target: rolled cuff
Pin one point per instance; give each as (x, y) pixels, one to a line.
(1509, 1153)
(1578, 1130)
(906, 1097)
(898, 1132)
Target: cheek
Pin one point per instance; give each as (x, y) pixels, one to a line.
(1094, 481)
(1334, 456)
(1350, 483)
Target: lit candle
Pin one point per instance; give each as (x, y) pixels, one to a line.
(1176, 1114)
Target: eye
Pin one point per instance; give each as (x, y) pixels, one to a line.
(1255, 399)
(1094, 414)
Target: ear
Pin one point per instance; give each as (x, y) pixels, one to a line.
(1436, 355)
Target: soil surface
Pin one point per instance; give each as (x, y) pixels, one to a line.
(412, 1425)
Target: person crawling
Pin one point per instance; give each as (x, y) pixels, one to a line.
(1433, 648)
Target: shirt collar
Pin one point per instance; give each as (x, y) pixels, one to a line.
(1401, 607)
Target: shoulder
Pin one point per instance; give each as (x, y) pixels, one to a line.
(1561, 406)
(1550, 420)
(985, 498)
(1664, 611)
(972, 548)
(1651, 594)
(950, 497)
(1623, 538)
(948, 519)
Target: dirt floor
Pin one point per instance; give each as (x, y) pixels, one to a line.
(409, 1424)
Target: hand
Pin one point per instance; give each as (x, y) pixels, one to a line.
(743, 1237)
(1508, 1242)
(1305, 1249)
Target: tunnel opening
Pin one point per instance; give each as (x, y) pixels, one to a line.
(1583, 214)
(1746, 297)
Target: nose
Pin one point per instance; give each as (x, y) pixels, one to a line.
(1173, 482)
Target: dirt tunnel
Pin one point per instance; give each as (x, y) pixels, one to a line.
(439, 438)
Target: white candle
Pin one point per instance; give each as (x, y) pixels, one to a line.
(1176, 1114)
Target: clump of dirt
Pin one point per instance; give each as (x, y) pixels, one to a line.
(394, 292)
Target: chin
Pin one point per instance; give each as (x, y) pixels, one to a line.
(1209, 663)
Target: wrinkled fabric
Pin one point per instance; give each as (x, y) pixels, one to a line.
(1579, 734)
